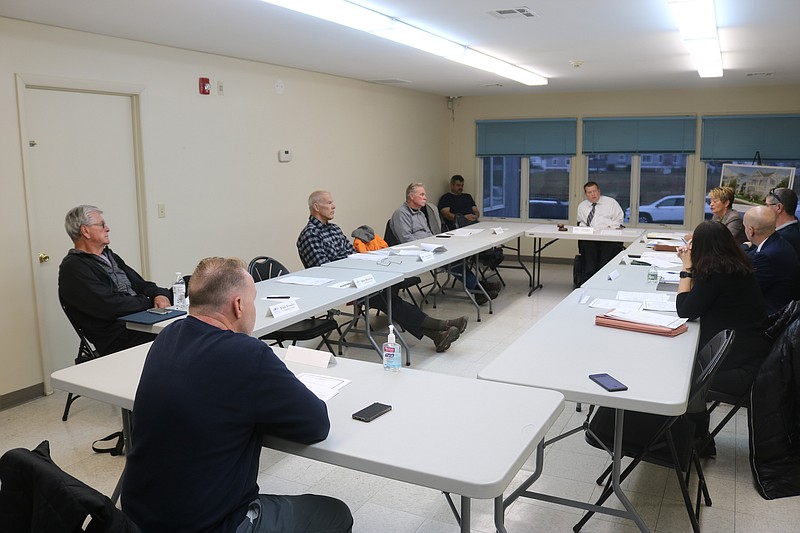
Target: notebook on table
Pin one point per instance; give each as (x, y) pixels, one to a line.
(147, 317)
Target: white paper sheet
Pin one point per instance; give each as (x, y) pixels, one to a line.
(463, 232)
(654, 305)
(303, 280)
(324, 387)
(632, 296)
(620, 305)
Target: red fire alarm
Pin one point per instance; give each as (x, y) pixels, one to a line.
(204, 85)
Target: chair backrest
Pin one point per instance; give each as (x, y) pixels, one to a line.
(432, 214)
(389, 236)
(37, 495)
(186, 280)
(263, 267)
(86, 351)
(707, 363)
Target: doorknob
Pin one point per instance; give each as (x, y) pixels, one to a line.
(43, 257)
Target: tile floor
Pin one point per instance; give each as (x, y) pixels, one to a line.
(385, 506)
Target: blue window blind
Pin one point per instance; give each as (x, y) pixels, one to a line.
(526, 137)
(740, 137)
(639, 135)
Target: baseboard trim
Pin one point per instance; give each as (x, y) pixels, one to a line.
(21, 396)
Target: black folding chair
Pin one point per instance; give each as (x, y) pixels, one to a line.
(663, 440)
(263, 268)
(86, 352)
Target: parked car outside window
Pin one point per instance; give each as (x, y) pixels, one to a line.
(666, 210)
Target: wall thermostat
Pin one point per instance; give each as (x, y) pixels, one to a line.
(284, 156)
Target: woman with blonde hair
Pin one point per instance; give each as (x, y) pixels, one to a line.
(721, 203)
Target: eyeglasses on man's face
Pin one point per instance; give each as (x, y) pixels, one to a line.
(101, 224)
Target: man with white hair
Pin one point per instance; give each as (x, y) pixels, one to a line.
(97, 287)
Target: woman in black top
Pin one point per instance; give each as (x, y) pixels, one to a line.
(720, 289)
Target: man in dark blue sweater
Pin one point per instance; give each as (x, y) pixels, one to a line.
(208, 394)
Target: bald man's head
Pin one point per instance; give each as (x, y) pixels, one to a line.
(759, 223)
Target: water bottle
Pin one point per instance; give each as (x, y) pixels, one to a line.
(392, 353)
(652, 275)
(179, 292)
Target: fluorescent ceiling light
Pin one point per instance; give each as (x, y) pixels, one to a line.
(698, 25)
(364, 19)
(402, 33)
(340, 12)
(481, 61)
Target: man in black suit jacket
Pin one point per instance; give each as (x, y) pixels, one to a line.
(784, 202)
(777, 268)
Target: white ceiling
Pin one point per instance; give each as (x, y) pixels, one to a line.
(624, 44)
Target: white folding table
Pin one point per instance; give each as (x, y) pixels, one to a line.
(564, 347)
(551, 233)
(453, 434)
(311, 299)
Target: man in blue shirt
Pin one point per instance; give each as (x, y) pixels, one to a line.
(208, 394)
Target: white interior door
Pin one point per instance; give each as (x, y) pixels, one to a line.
(79, 150)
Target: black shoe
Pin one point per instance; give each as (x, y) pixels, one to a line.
(460, 323)
(443, 339)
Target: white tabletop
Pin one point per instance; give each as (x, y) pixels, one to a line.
(560, 351)
(551, 231)
(453, 434)
(312, 300)
(628, 277)
(458, 247)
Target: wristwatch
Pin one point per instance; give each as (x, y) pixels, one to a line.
(685, 274)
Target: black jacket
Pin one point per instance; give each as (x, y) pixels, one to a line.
(774, 414)
(36, 495)
(92, 299)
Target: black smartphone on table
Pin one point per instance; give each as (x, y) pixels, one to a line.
(371, 412)
(608, 382)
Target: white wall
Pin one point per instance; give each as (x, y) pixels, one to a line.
(213, 159)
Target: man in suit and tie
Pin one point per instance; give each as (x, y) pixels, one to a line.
(784, 202)
(777, 268)
(598, 212)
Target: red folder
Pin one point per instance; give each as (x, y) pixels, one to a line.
(665, 248)
(613, 322)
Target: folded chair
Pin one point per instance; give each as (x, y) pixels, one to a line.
(663, 440)
(263, 268)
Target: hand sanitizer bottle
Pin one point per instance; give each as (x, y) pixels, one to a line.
(392, 353)
(652, 275)
(179, 292)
